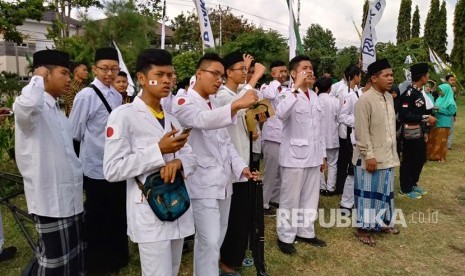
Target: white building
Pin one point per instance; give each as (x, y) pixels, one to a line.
(13, 56)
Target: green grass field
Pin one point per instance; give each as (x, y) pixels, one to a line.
(433, 243)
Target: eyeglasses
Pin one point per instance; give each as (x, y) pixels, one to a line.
(216, 74)
(243, 69)
(114, 70)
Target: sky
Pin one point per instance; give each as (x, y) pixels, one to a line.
(335, 15)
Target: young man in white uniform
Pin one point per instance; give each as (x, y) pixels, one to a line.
(210, 187)
(271, 136)
(301, 158)
(347, 120)
(236, 240)
(105, 218)
(142, 139)
(330, 107)
(51, 171)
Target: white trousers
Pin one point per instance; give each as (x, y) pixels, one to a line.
(347, 200)
(298, 203)
(211, 222)
(331, 161)
(161, 258)
(271, 173)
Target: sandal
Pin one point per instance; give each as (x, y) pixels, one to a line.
(365, 238)
(389, 230)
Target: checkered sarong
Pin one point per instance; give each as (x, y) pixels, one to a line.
(60, 250)
(374, 196)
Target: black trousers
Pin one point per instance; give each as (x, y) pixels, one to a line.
(105, 226)
(413, 159)
(344, 164)
(236, 241)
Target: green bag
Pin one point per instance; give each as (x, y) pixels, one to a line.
(169, 201)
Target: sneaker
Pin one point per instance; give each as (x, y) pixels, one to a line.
(247, 262)
(330, 193)
(419, 190)
(286, 248)
(345, 210)
(323, 192)
(274, 204)
(270, 212)
(8, 253)
(411, 195)
(312, 241)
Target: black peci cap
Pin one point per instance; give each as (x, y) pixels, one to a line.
(51, 57)
(377, 66)
(106, 53)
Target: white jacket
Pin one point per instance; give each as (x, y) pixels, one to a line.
(303, 144)
(51, 171)
(218, 160)
(131, 150)
(330, 107)
(273, 127)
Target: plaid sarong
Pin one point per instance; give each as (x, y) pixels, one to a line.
(60, 250)
(374, 198)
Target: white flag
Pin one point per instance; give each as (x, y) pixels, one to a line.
(205, 26)
(292, 38)
(408, 59)
(369, 39)
(131, 87)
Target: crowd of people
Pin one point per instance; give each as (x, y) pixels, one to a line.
(324, 138)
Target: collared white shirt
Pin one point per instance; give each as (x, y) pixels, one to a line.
(218, 160)
(347, 114)
(330, 111)
(51, 171)
(346, 108)
(238, 132)
(88, 120)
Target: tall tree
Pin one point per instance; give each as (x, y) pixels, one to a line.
(431, 24)
(403, 21)
(321, 40)
(366, 6)
(441, 33)
(187, 33)
(457, 56)
(264, 45)
(416, 23)
(13, 14)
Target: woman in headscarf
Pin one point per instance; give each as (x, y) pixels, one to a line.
(445, 107)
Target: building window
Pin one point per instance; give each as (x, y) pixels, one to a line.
(22, 45)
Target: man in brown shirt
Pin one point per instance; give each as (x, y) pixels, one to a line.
(376, 153)
(81, 74)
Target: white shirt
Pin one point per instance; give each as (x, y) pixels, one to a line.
(347, 114)
(131, 150)
(237, 132)
(45, 157)
(216, 155)
(303, 144)
(330, 107)
(88, 120)
(337, 88)
(273, 127)
(343, 125)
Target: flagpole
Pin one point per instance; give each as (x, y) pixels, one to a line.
(162, 46)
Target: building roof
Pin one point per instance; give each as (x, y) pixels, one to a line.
(50, 16)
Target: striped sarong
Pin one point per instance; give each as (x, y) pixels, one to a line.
(60, 250)
(374, 198)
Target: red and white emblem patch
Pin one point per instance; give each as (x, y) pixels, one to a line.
(181, 101)
(110, 132)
